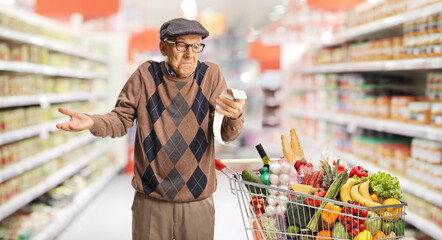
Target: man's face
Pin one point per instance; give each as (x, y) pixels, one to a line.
(183, 63)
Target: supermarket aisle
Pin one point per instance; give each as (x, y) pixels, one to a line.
(108, 216)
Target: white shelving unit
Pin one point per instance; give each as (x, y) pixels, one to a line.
(408, 185)
(34, 68)
(375, 66)
(40, 158)
(406, 129)
(382, 24)
(27, 196)
(42, 99)
(375, 30)
(305, 88)
(51, 44)
(65, 216)
(74, 46)
(424, 225)
(27, 132)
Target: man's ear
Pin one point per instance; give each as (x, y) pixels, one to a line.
(163, 48)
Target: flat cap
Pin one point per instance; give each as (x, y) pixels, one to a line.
(180, 26)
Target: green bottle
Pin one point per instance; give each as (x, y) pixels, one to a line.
(265, 177)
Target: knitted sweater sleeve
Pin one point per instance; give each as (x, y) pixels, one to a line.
(230, 128)
(117, 122)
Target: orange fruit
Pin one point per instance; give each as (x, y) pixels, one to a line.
(393, 210)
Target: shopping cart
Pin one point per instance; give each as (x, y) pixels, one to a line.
(291, 214)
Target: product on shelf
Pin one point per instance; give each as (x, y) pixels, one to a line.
(31, 219)
(436, 115)
(349, 215)
(420, 113)
(384, 9)
(427, 151)
(17, 118)
(424, 209)
(28, 179)
(11, 22)
(4, 52)
(369, 95)
(422, 37)
(434, 87)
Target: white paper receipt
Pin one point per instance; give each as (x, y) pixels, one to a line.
(218, 121)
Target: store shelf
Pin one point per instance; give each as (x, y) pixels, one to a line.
(407, 185)
(305, 88)
(384, 24)
(51, 44)
(34, 68)
(405, 129)
(67, 214)
(40, 158)
(373, 66)
(424, 225)
(43, 99)
(27, 196)
(41, 129)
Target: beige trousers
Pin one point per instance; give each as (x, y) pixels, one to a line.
(153, 219)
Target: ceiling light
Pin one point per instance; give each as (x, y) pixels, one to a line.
(7, 2)
(246, 77)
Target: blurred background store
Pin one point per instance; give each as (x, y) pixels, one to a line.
(360, 78)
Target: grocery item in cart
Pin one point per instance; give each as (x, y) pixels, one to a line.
(331, 219)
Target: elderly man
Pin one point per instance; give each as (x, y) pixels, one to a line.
(174, 103)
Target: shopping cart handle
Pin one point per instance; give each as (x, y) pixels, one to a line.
(219, 165)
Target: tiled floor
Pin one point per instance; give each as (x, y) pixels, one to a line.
(109, 216)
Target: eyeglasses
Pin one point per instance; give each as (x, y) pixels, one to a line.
(182, 46)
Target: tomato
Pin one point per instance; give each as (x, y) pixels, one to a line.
(341, 218)
(361, 227)
(349, 227)
(363, 213)
(354, 211)
(355, 232)
(355, 223)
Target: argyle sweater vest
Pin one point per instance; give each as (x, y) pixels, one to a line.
(174, 142)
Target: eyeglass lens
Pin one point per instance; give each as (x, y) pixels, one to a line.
(195, 47)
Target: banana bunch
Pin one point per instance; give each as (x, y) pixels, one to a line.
(353, 191)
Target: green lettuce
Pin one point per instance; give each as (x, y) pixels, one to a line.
(385, 186)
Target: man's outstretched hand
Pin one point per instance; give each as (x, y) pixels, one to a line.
(78, 121)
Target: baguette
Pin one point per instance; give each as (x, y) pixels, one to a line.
(287, 150)
(296, 146)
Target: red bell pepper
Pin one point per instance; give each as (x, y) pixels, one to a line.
(359, 172)
(318, 192)
(341, 168)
